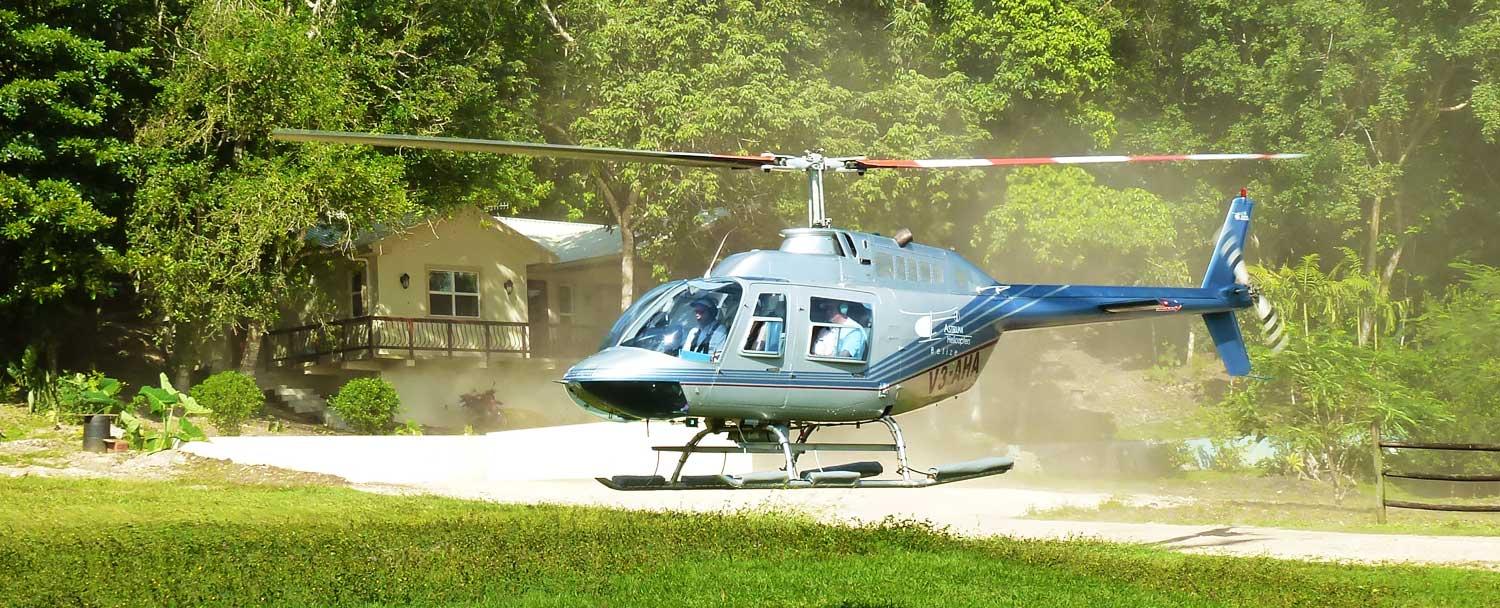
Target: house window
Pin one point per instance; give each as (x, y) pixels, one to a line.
(565, 303)
(453, 293)
(767, 326)
(840, 330)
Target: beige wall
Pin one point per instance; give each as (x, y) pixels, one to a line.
(596, 302)
(468, 241)
(430, 390)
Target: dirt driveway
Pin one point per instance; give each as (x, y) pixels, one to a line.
(998, 511)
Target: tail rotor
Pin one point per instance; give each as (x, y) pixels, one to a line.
(1273, 331)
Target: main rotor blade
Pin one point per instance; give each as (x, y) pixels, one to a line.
(691, 159)
(955, 163)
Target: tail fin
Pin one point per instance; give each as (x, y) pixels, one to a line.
(1226, 268)
(1228, 250)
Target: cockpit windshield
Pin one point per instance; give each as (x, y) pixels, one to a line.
(693, 322)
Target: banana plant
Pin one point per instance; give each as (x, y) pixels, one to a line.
(173, 407)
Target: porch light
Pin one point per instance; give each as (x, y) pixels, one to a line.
(405, 280)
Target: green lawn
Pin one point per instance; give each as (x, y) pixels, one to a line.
(204, 541)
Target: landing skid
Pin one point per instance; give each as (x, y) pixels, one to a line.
(774, 439)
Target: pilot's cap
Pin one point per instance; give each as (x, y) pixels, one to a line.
(706, 305)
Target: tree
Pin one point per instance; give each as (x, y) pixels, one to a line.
(1389, 100)
(74, 76)
(1062, 220)
(218, 235)
(1321, 396)
(1459, 338)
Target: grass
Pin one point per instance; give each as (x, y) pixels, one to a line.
(17, 423)
(202, 540)
(1246, 498)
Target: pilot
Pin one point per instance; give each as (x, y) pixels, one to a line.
(708, 335)
(847, 342)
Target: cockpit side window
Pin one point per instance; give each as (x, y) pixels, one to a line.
(767, 327)
(840, 330)
(692, 323)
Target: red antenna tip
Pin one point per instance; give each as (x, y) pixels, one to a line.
(1244, 193)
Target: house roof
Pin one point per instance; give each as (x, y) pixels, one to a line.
(569, 241)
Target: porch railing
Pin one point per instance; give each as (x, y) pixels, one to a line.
(369, 337)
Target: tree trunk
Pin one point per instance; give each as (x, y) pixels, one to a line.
(627, 262)
(250, 356)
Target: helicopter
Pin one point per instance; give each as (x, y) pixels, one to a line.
(841, 327)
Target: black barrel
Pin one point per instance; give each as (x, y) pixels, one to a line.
(95, 431)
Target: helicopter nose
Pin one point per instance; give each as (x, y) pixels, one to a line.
(631, 384)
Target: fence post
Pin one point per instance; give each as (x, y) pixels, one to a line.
(411, 350)
(1379, 473)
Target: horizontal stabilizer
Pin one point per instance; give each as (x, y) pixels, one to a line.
(1225, 331)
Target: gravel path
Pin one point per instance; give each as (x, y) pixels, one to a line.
(998, 511)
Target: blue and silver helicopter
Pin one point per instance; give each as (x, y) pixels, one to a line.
(838, 327)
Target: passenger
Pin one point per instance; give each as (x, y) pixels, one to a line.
(847, 342)
(708, 335)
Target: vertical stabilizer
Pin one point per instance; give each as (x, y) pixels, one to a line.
(1229, 248)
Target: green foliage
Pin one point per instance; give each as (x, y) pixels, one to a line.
(81, 394)
(1318, 398)
(172, 408)
(1035, 53)
(232, 396)
(367, 404)
(1062, 220)
(1459, 338)
(32, 379)
(409, 428)
(219, 231)
(294, 546)
(74, 75)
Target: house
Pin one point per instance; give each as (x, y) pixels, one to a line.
(449, 308)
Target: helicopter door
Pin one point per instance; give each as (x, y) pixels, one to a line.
(831, 333)
(753, 367)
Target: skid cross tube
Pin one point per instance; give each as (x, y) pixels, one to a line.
(776, 439)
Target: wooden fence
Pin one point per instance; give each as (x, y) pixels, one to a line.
(1380, 445)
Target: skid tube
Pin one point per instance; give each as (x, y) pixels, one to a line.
(851, 475)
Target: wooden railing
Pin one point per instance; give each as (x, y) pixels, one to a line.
(372, 336)
(1381, 475)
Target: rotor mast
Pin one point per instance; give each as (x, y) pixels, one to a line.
(814, 164)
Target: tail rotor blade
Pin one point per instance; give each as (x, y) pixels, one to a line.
(1273, 331)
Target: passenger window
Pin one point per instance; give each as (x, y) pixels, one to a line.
(840, 330)
(767, 326)
(883, 265)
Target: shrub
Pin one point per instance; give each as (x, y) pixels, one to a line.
(81, 394)
(367, 404)
(232, 396)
